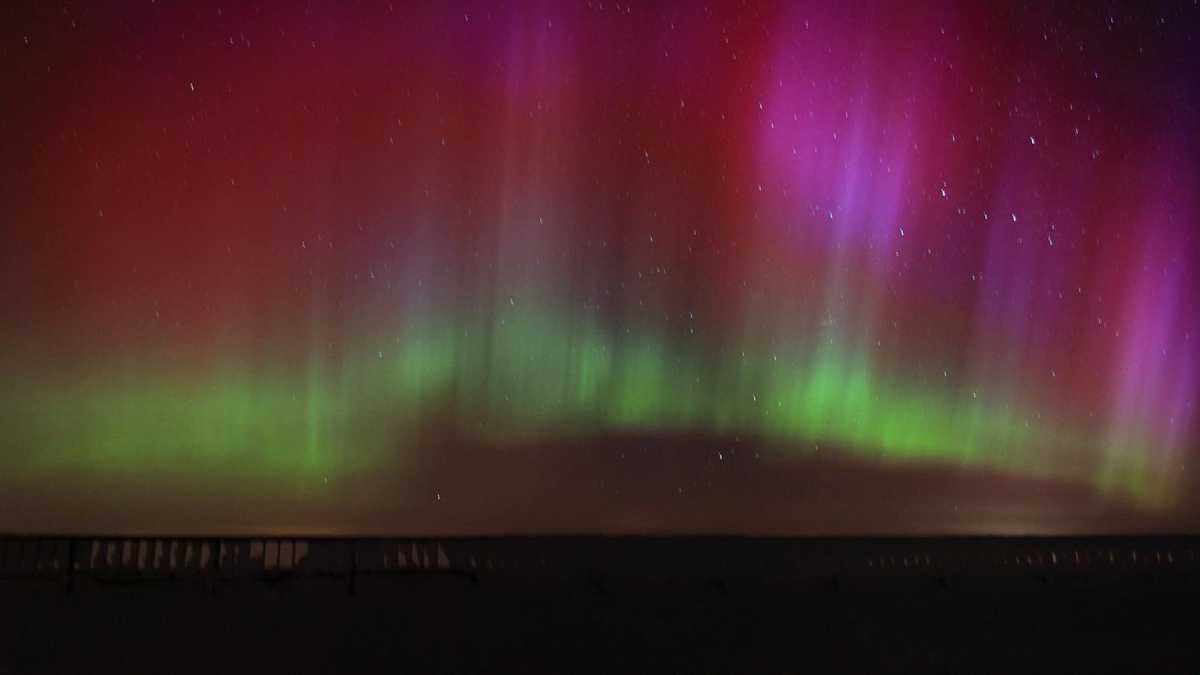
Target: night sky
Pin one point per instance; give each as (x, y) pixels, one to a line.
(477, 267)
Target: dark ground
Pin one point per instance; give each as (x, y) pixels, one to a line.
(598, 614)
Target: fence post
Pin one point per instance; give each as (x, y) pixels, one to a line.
(214, 566)
(353, 550)
(70, 585)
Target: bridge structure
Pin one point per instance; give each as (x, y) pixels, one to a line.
(1011, 562)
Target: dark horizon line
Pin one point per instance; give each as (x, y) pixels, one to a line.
(1175, 535)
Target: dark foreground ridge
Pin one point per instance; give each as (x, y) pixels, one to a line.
(75, 560)
(599, 604)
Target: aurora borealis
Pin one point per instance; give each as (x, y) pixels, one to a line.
(389, 266)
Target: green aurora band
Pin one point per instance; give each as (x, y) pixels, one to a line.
(533, 376)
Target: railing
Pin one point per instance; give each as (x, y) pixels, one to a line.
(229, 558)
(149, 558)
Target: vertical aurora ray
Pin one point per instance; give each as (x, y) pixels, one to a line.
(331, 255)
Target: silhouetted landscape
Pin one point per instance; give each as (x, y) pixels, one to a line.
(594, 604)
